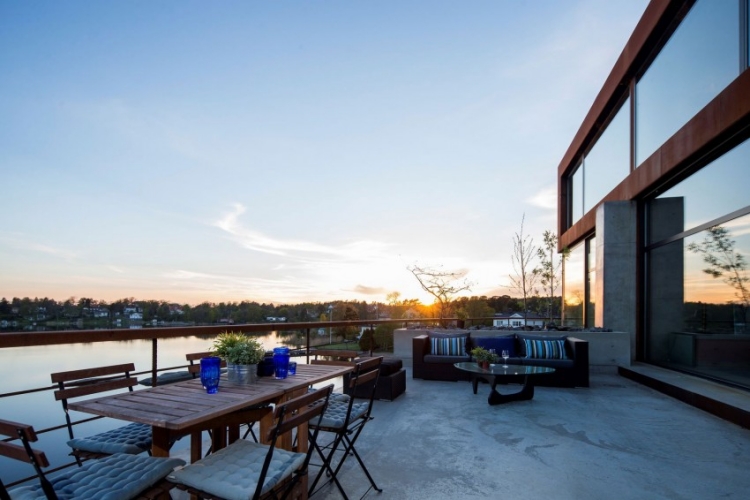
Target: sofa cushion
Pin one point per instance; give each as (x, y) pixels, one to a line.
(389, 366)
(500, 343)
(544, 349)
(522, 337)
(448, 344)
(434, 358)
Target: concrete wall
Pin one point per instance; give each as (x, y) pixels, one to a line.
(605, 348)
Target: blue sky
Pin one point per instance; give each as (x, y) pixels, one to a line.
(285, 151)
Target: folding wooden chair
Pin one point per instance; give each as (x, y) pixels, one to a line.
(346, 419)
(333, 357)
(119, 475)
(133, 438)
(245, 469)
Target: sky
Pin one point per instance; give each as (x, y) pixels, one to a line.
(286, 151)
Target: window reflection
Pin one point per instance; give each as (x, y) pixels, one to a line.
(699, 302)
(591, 282)
(700, 59)
(608, 162)
(716, 190)
(576, 195)
(574, 287)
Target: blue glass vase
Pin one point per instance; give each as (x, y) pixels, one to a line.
(210, 372)
(280, 362)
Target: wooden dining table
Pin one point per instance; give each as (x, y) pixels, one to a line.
(184, 408)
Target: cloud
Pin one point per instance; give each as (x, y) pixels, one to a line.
(368, 290)
(254, 240)
(545, 198)
(21, 243)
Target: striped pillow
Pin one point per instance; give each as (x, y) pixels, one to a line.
(545, 349)
(448, 346)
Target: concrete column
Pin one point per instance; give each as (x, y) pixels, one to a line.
(615, 287)
(665, 268)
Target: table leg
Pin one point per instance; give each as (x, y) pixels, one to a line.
(526, 393)
(160, 442)
(196, 446)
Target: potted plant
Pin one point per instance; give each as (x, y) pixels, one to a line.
(483, 357)
(242, 354)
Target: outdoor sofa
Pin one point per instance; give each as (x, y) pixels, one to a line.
(569, 356)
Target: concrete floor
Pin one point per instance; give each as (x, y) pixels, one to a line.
(615, 440)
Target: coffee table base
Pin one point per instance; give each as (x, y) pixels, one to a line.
(495, 398)
(526, 393)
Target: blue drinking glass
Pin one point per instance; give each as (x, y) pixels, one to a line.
(292, 368)
(210, 372)
(281, 362)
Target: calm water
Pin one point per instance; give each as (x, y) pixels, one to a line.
(30, 367)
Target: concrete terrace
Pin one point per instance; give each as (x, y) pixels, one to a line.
(617, 439)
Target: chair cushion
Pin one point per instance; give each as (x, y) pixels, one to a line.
(335, 414)
(389, 366)
(133, 438)
(233, 472)
(545, 349)
(500, 343)
(116, 477)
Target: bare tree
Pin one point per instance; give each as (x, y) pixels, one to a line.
(440, 284)
(525, 278)
(549, 269)
(723, 261)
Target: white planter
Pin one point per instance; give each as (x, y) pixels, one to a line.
(242, 374)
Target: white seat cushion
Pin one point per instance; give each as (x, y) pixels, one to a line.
(233, 472)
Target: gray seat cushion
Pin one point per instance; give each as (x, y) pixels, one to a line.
(116, 477)
(233, 472)
(133, 439)
(335, 414)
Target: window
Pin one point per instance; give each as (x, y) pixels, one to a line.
(700, 59)
(608, 162)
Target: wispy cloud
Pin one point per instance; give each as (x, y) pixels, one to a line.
(369, 290)
(23, 244)
(254, 240)
(545, 198)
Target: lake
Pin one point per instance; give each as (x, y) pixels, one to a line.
(24, 368)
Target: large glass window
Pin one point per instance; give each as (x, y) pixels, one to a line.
(698, 303)
(590, 282)
(712, 192)
(608, 162)
(698, 62)
(574, 287)
(576, 195)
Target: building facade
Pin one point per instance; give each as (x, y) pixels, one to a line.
(654, 193)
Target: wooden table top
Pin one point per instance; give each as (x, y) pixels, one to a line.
(182, 405)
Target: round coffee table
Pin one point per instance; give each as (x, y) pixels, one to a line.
(497, 372)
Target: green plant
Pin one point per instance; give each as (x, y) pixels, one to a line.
(238, 349)
(483, 355)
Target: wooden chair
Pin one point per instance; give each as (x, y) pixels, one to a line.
(346, 419)
(195, 368)
(245, 469)
(129, 476)
(132, 439)
(334, 357)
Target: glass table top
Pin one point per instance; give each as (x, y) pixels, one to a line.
(498, 369)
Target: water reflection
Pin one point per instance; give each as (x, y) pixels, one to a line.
(24, 368)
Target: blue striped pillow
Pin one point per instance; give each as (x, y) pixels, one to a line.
(448, 346)
(545, 349)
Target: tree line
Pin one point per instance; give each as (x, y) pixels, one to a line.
(46, 311)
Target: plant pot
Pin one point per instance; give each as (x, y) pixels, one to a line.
(242, 374)
(485, 365)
